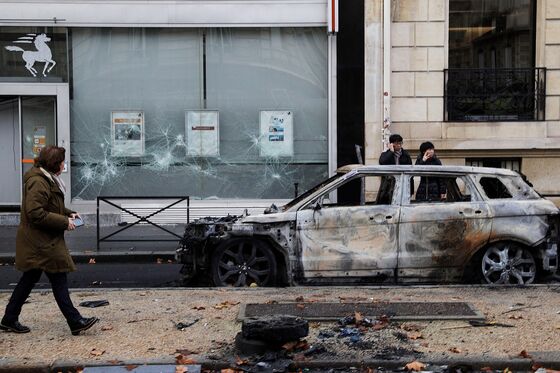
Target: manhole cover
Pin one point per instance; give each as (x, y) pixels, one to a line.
(396, 310)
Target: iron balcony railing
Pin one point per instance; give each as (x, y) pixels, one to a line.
(500, 94)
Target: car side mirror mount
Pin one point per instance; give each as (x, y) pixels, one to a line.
(317, 205)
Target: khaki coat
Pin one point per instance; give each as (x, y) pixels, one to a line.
(44, 218)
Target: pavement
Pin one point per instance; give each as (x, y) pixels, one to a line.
(139, 243)
(168, 330)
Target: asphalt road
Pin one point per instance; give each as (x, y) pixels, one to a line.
(136, 275)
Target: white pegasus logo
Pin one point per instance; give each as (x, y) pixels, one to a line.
(42, 54)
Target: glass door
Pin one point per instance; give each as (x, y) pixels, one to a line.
(10, 150)
(27, 124)
(38, 124)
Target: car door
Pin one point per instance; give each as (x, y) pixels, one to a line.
(355, 238)
(437, 238)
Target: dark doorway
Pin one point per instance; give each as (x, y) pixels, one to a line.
(350, 85)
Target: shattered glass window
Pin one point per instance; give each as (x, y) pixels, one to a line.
(344, 194)
(494, 188)
(261, 92)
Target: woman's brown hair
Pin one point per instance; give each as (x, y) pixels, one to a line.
(50, 158)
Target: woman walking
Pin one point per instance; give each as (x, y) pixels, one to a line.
(430, 188)
(40, 245)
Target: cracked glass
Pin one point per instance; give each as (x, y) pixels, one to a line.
(165, 74)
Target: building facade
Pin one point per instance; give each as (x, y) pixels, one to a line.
(478, 78)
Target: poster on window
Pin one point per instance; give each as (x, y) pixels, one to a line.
(202, 128)
(127, 133)
(39, 139)
(277, 135)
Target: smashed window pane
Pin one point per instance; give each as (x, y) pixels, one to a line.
(243, 74)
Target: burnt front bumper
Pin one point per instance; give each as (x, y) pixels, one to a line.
(550, 257)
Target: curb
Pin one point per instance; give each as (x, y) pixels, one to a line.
(546, 359)
(110, 257)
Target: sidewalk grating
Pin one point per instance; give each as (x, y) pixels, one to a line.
(395, 310)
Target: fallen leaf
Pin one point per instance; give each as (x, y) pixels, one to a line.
(455, 350)
(229, 370)
(186, 351)
(425, 344)
(414, 335)
(486, 369)
(296, 345)
(96, 352)
(159, 260)
(300, 299)
(182, 360)
(289, 346)
(515, 317)
(524, 354)
(114, 362)
(415, 366)
(169, 261)
(131, 367)
(226, 304)
(271, 302)
(180, 369)
(358, 316)
(106, 327)
(253, 285)
(410, 327)
(91, 261)
(199, 308)
(240, 361)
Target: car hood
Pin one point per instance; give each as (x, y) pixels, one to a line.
(278, 217)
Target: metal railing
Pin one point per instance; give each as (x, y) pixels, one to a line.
(498, 94)
(141, 218)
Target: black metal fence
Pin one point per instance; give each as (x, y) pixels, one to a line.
(140, 218)
(500, 94)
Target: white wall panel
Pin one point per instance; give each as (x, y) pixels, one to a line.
(160, 13)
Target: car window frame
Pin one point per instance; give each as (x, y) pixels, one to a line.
(351, 176)
(467, 178)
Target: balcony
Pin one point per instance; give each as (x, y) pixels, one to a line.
(492, 95)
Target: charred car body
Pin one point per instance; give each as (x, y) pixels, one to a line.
(488, 225)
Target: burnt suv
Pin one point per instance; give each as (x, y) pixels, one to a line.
(368, 224)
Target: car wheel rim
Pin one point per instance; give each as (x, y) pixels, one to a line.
(508, 265)
(244, 264)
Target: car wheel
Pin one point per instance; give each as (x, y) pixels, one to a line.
(242, 262)
(508, 263)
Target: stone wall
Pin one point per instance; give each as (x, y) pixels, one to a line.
(419, 38)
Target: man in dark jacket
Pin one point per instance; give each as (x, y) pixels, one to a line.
(395, 154)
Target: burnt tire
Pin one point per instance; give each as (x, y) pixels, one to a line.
(251, 346)
(275, 330)
(240, 262)
(507, 263)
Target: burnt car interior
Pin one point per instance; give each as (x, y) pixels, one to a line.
(494, 188)
(353, 192)
(454, 189)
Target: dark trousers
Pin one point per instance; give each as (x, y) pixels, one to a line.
(59, 285)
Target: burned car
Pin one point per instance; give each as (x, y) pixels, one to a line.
(371, 224)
